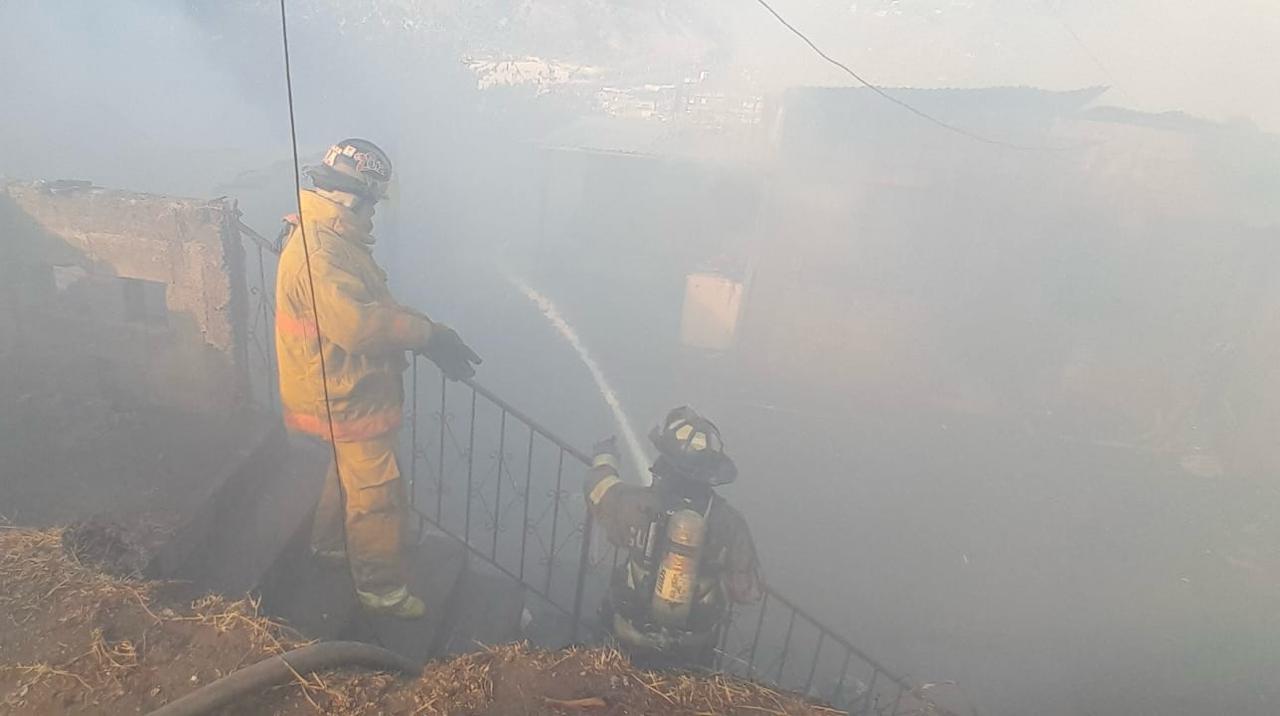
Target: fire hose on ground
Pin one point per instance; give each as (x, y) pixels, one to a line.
(282, 668)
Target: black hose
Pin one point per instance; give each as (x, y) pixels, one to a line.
(279, 669)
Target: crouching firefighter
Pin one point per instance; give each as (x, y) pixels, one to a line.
(688, 553)
(341, 339)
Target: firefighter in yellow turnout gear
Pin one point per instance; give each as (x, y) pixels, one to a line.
(688, 552)
(363, 334)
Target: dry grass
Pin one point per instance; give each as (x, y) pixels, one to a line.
(38, 576)
(127, 649)
(600, 677)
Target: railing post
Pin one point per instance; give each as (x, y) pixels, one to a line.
(497, 497)
(555, 520)
(755, 638)
(722, 639)
(786, 646)
(528, 486)
(584, 559)
(471, 462)
(844, 672)
(444, 416)
(268, 315)
(813, 668)
(871, 690)
(897, 701)
(413, 432)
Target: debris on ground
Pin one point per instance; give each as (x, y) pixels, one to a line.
(105, 544)
(75, 639)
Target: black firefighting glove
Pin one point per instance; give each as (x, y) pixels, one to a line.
(446, 350)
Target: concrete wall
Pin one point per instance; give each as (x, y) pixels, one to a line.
(124, 297)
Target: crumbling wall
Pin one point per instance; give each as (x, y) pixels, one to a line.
(125, 297)
(123, 380)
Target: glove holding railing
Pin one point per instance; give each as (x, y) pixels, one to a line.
(454, 358)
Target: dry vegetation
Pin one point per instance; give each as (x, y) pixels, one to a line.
(74, 639)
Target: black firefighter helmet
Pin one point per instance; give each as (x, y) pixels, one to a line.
(690, 447)
(354, 166)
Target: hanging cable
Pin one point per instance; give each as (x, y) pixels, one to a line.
(306, 249)
(311, 287)
(908, 107)
(1075, 36)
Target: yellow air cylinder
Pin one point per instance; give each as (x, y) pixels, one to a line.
(677, 578)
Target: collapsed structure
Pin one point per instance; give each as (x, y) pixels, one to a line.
(126, 342)
(893, 248)
(133, 297)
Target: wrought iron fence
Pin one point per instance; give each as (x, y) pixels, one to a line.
(260, 348)
(504, 486)
(509, 489)
(776, 641)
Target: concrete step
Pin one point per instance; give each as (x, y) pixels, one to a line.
(264, 499)
(197, 482)
(436, 568)
(487, 610)
(318, 598)
(251, 531)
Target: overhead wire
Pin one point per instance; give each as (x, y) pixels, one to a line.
(1075, 37)
(1080, 43)
(302, 229)
(904, 105)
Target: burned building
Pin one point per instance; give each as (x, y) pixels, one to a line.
(126, 297)
(869, 256)
(125, 325)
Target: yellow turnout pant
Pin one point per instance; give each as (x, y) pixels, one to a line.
(375, 517)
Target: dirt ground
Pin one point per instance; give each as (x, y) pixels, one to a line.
(75, 639)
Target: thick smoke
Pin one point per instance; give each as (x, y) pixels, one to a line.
(931, 491)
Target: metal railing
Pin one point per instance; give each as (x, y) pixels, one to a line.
(504, 486)
(808, 657)
(510, 489)
(478, 465)
(260, 346)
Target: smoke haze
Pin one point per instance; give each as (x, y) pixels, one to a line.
(1003, 417)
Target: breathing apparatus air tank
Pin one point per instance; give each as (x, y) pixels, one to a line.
(677, 578)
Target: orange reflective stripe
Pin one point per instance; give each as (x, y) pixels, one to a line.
(290, 325)
(368, 427)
